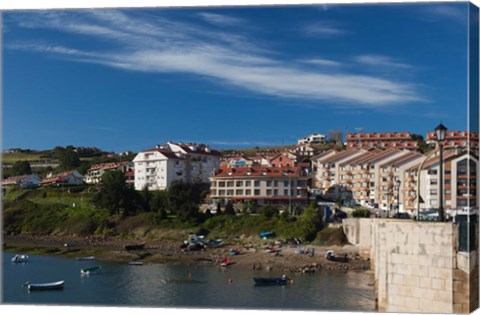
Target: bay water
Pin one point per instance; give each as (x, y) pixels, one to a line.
(176, 285)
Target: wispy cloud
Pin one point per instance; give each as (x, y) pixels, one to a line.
(156, 44)
(323, 29)
(382, 61)
(321, 62)
(220, 20)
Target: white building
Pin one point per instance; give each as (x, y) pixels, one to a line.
(66, 178)
(313, 138)
(158, 167)
(95, 172)
(24, 181)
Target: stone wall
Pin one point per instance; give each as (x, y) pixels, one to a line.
(417, 266)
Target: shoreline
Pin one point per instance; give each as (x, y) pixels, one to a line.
(252, 255)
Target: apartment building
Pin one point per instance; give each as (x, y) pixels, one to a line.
(455, 138)
(380, 140)
(279, 185)
(95, 172)
(313, 138)
(158, 167)
(460, 181)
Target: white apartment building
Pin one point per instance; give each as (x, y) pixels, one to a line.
(158, 167)
(313, 138)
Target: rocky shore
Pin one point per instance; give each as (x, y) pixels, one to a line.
(251, 255)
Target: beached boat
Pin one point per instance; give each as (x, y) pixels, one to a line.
(20, 258)
(90, 270)
(45, 286)
(135, 263)
(235, 252)
(272, 250)
(225, 262)
(283, 280)
(86, 258)
(215, 243)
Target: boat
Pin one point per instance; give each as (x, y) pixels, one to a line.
(215, 243)
(86, 258)
(20, 258)
(283, 280)
(225, 262)
(272, 249)
(45, 286)
(135, 263)
(90, 270)
(235, 252)
(134, 246)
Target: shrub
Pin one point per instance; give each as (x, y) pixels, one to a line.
(361, 213)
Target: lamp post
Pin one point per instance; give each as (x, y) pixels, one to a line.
(399, 183)
(440, 131)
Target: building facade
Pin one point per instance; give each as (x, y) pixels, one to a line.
(95, 172)
(380, 140)
(158, 167)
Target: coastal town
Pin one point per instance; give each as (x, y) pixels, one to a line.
(381, 171)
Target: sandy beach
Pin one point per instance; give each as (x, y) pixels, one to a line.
(251, 255)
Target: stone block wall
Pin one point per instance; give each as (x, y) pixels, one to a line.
(417, 265)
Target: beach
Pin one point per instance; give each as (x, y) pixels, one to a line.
(252, 254)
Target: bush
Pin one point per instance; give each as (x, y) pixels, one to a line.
(331, 236)
(361, 213)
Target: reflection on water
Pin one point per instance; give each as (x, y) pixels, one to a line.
(174, 285)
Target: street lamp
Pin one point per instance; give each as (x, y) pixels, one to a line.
(440, 131)
(399, 183)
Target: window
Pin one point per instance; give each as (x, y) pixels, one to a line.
(448, 181)
(269, 183)
(285, 192)
(248, 192)
(275, 192)
(433, 182)
(256, 183)
(432, 171)
(221, 184)
(269, 192)
(433, 192)
(230, 183)
(248, 183)
(275, 183)
(257, 192)
(239, 183)
(239, 192)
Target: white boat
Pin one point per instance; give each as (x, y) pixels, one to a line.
(45, 286)
(20, 258)
(135, 263)
(86, 258)
(90, 270)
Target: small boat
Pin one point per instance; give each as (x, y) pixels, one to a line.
(272, 249)
(20, 258)
(45, 286)
(283, 280)
(86, 258)
(135, 263)
(225, 262)
(215, 243)
(90, 270)
(235, 252)
(134, 246)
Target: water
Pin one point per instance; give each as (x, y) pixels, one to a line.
(167, 285)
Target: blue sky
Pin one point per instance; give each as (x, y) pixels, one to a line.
(128, 79)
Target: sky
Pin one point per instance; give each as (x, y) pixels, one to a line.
(230, 77)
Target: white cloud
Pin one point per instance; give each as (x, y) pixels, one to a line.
(323, 29)
(321, 62)
(382, 61)
(220, 20)
(156, 44)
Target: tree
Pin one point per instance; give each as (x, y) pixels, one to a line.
(21, 168)
(184, 199)
(229, 210)
(147, 198)
(268, 211)
(309, 223)
(335, 136)
(116, 196)
(67, 157)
